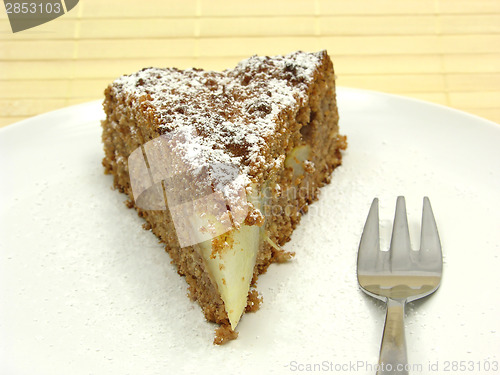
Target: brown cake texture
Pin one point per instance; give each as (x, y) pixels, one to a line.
(274, 119)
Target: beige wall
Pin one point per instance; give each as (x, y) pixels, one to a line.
(444, 51)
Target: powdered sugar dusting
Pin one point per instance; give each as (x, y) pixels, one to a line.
(223, 118)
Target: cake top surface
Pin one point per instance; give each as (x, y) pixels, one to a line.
(223, 118)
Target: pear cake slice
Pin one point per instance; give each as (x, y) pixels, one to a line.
(221, 166)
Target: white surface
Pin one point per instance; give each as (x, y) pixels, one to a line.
(85, 290)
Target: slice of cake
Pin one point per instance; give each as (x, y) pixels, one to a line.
(222, 165)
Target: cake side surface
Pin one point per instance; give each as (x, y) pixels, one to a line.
(275, 119)
(312, 152)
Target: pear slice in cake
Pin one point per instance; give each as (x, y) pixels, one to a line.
(245, 151)
(232, 268)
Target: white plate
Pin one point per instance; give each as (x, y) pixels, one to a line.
(85, 290)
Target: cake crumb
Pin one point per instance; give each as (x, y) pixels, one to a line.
(224, 334)
(282, 256)
(254, 301)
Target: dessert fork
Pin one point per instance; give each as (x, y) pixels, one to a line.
(398, 276)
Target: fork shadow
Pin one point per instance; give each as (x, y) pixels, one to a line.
(375, 306)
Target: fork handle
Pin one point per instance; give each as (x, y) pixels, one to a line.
(393, 357)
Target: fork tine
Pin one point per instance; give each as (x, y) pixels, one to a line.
(369, 245)
(400, 248)
(430, 245)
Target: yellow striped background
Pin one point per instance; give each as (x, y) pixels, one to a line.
(443, 51)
